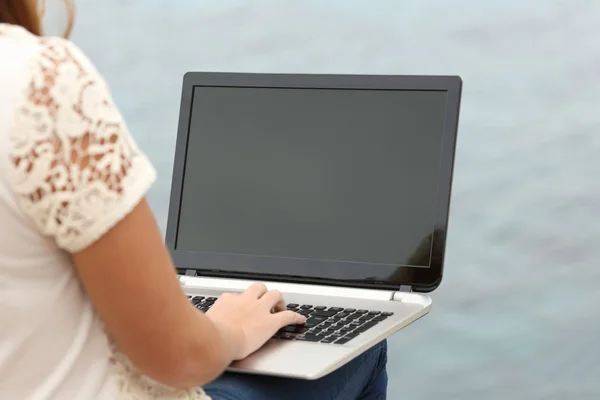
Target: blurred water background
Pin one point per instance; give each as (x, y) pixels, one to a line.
(518, 313)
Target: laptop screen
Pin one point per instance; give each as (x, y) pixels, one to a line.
(321, 174)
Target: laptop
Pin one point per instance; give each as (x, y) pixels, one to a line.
(333, 189)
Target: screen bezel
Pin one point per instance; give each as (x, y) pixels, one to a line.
(420, 279)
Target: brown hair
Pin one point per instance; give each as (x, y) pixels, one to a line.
(29, 13)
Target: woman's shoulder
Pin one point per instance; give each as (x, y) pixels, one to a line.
(17, 47)
(16, 43)
(15, 34)
(73, 163)
(41, 53)
(38, 62)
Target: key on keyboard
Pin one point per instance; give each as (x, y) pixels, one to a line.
(330, 324)
(323, 324)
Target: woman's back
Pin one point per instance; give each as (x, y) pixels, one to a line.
(54, 338)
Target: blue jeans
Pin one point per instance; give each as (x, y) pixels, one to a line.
(364, 378)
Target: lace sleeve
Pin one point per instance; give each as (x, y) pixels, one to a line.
(76, 171)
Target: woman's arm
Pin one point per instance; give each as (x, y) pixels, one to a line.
(132, 283)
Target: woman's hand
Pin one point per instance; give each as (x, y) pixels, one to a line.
(249, 319)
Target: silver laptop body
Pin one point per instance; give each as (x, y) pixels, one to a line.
(333, 189)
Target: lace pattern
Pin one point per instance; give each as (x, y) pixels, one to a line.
(135, 386)
(77, 171)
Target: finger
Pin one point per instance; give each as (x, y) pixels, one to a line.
(227, 295)
(273, 299)
(281, 306)
(284, 318)
(256, 290)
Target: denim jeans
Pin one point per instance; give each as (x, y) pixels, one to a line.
(364, 378)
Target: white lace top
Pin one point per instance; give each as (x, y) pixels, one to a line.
(69, 171)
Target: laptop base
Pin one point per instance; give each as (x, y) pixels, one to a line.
(311, 360)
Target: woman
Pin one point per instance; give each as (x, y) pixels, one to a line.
(89, 304)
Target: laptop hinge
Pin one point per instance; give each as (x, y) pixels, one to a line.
(405, 288)
(191, 272)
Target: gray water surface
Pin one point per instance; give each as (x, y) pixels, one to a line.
(517, 315)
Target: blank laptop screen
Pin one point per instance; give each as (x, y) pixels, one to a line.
(321, 174)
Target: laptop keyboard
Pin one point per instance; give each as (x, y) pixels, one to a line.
(323, 324)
